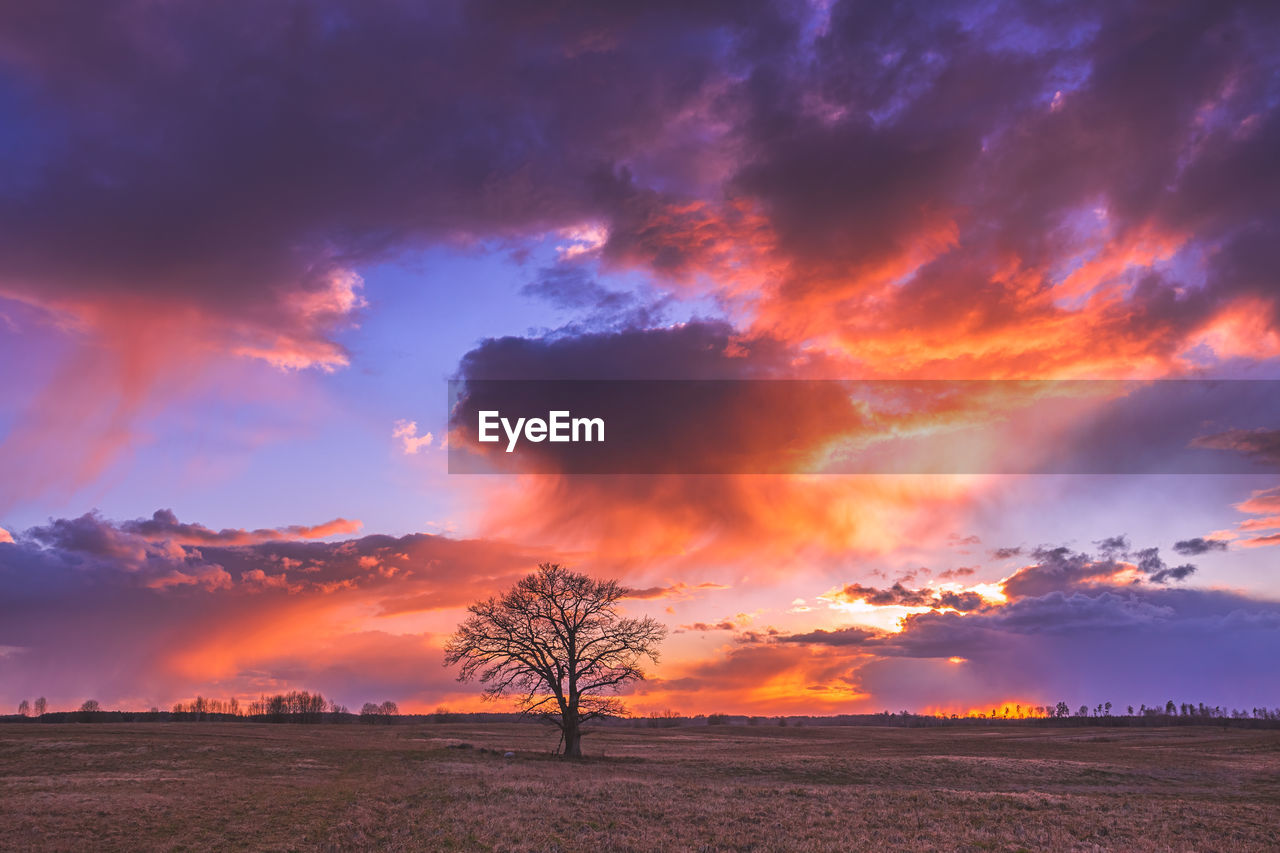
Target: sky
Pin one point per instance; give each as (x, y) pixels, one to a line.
(244, 247)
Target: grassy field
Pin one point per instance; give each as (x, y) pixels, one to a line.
(193, 786)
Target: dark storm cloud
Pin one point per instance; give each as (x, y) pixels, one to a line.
(696, 350)
(1102, 426)
(1197, 546)
(1261, 445)
(239, 155)
(1157, 571)
(1062, 570)
(961, 572)
(838, 637)
(854, 156)
(573, 287)
(1057, 569)
(962, 135)
(1113, 545)
(1176, 573)
(654, 427)
(902, 596)
(962, 601)
(896, 594)
(230, 154)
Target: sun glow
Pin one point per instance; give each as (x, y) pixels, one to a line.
(1009, 709)
(887, 617)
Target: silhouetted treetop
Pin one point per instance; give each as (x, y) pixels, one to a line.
(557, 644)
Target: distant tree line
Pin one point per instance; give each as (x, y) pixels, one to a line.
(201, 707)
(384, 713)
(1199, 712)
(301, 706)
(1060, 714)
(296, 706)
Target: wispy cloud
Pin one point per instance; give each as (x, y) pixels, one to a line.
(410, 441)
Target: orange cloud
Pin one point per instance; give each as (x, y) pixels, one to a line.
(410, 441)
(678, 591)
(1240, 329)
(1113, 256)
(770, 520)
(1259, 503)
(760, 679)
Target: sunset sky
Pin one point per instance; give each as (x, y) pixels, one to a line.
(245, 245)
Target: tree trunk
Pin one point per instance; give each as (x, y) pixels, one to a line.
(572, 739)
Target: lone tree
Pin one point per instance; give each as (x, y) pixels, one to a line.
(556, 642)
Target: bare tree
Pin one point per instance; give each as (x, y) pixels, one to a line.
(41, 706)
(24, 708)
(556, 642)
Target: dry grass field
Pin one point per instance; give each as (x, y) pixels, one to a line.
(222, 786)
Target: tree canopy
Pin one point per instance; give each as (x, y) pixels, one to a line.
(557, 644)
